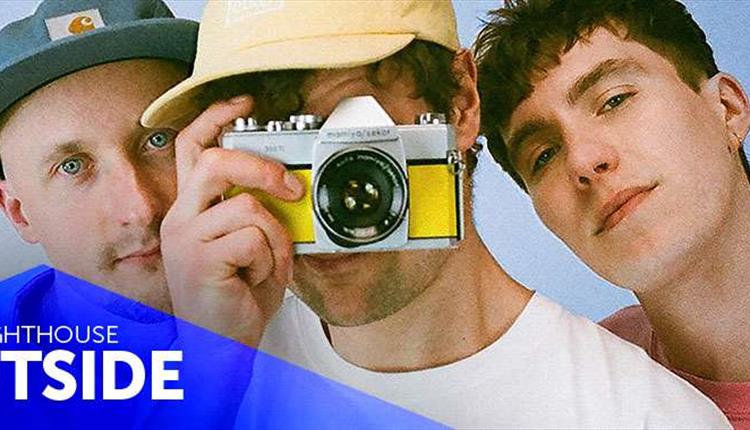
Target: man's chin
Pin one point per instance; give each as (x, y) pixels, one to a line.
(147, 286)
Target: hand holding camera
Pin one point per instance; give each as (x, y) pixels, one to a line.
(374, 185)
(227, 261)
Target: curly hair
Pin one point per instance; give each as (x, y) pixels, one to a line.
(522, 40)
(278, 94)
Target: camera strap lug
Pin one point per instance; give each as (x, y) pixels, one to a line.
(456, 163)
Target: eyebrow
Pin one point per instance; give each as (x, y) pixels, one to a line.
(606, 68)
(529, 128)
(67, 148)
(583, 84)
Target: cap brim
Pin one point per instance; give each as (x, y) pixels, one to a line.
(160, 38)
(312, 53)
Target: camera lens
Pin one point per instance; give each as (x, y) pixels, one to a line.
(360, 196)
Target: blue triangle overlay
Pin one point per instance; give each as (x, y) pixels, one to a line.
(215, 373)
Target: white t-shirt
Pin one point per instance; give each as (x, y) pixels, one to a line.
(551, 369)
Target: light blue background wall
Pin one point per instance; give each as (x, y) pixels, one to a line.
(504, 215)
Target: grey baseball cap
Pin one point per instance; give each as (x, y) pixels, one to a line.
(64, 36)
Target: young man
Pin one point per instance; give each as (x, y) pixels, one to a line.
(84, 179)
(445, 333)
(612, 115)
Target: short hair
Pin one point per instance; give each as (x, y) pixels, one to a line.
(527, 37)
(278, 94)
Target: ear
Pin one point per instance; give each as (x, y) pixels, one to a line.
(11, 206)
(465, 111)
(735, 107)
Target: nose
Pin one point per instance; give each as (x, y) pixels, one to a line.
(133, 195)
(590, 159)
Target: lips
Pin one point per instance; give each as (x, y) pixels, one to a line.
(619, 206)
(141, 255)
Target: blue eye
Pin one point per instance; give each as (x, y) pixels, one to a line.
(543, 159)
(160, 140)
(71, 166)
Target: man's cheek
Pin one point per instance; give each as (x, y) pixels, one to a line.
(544, 205)
(557, 216)
(164, 176)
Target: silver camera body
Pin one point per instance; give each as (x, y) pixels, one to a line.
(372, 185)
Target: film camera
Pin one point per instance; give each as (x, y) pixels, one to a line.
(372, 185)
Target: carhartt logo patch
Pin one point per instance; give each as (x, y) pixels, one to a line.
(74, 23)
(238, 10)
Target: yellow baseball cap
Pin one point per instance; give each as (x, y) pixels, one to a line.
(237, 37)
